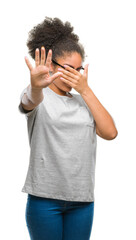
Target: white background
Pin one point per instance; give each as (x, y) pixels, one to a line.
(107, 29)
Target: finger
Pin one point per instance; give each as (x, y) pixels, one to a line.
(67, 72)
(67, 82)
(48, 60)
(42, 55)
(28, 63)
(54, 76)
(70, 69)
(68, 78)
(37, 57)
(86, 70)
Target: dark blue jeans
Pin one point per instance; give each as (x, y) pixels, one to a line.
(54, 219)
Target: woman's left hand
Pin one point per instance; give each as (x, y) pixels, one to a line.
(74, 78)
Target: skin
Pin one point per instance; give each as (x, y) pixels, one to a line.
(60, 87)
(63, 80)
(105, 126)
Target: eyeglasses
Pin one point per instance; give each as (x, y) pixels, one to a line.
(78, 69)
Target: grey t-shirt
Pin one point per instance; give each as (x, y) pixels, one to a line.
(62, 139)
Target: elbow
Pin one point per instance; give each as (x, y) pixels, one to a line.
(113, 135)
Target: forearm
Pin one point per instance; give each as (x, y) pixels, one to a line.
(32, 98)
(104, 121)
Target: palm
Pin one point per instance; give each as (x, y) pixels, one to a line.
(41, 73)
(40, 77)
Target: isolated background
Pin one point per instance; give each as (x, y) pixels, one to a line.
(107, 29)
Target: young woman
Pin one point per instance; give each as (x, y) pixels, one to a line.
(62, 129)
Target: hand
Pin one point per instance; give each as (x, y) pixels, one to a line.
(74, 78)
(40, 77)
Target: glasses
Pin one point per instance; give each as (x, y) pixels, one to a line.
(78, 69)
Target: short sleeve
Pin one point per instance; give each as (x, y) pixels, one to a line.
(27, 113)
(90, 113)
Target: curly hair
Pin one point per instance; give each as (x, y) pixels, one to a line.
(53, 34)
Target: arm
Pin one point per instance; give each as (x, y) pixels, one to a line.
(105, 126)
(40, 78)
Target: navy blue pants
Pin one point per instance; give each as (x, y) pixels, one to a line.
(54, 219)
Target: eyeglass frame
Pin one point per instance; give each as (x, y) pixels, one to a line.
(67, 64)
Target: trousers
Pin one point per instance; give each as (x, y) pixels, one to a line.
(54, 219)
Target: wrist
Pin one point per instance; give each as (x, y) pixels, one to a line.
(85, 90)
(35, 90)
(34, 95)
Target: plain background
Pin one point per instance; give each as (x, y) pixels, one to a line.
(107, 29)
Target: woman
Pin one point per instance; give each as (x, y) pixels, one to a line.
(62, 130)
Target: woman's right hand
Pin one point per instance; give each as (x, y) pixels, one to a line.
(40, 77)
